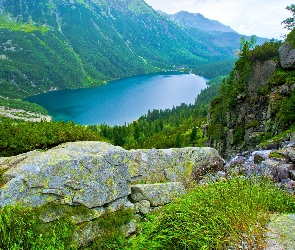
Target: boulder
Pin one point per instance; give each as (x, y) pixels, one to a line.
(281, 234)
(172, 165)
(287, 56)
(288, 152)
(284, 171)
(90, 180)
(157, 194)
(83, 173)
(142, 207)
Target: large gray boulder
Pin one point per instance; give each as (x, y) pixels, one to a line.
(172, 165)
(83, 173)
(287, 56)
(98, 178)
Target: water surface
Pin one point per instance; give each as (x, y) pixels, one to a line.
(121, 101)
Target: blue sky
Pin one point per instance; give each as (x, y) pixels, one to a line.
(248, 17)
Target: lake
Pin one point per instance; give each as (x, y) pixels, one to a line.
(121, 101)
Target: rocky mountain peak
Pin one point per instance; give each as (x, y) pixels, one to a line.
(197, 20)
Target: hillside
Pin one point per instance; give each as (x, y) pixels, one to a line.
(46, 45)
(256, 101)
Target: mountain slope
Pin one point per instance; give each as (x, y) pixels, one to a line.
(256, 101)
(56, 44)
(198, 21)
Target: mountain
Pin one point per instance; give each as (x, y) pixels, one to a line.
(47, 45)
(197, 20)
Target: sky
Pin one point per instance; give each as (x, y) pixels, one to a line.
(248, 17)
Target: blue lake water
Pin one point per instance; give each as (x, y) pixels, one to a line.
(121, 101)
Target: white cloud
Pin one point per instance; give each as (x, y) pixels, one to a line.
(249, 17)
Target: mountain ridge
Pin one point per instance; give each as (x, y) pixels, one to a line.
(197, 20)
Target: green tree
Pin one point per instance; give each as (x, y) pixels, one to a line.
(178, 140)
(290, 21)
(193, 135)
(246, 45)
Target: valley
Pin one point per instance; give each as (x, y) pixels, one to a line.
(213, 168)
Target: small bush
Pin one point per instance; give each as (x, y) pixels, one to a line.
(21, 137)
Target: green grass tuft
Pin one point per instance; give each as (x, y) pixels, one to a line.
(214, 216)
(22, 228)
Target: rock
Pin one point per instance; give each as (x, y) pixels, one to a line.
(176, 164)
(120, 204)
(129, 229)
(292, 136)
(258, 158)
(86, 232)
(284, 171)
(292, 174)
(89, 179)
(157, 194)
(281, 234)
(287, 56)
(82, 173)
(142, 207)
(288, 152)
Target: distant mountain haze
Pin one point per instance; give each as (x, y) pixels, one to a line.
(47, 45)
(197, 20)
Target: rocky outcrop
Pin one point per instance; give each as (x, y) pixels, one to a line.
(287, 56)
(277, 165)
(253, 112)
(101, 178)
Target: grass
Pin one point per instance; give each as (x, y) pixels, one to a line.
(22, 228)
(212, 216)
(215, 216)
(283, 135)
(26, 27)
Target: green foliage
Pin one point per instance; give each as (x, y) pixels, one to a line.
(275, 155)
(282, 76)
(111, 225)
(24, 105)
(290, 21)
(286, 114)
(22, 227)
(233, 88)
(290, 39)
(284, 135)
(17, 138)
(215, 216)
(239, 133)
(267, 51)
(215, 69)
(18, 26)
(252, 124)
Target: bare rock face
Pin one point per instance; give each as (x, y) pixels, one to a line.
(287, 56)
